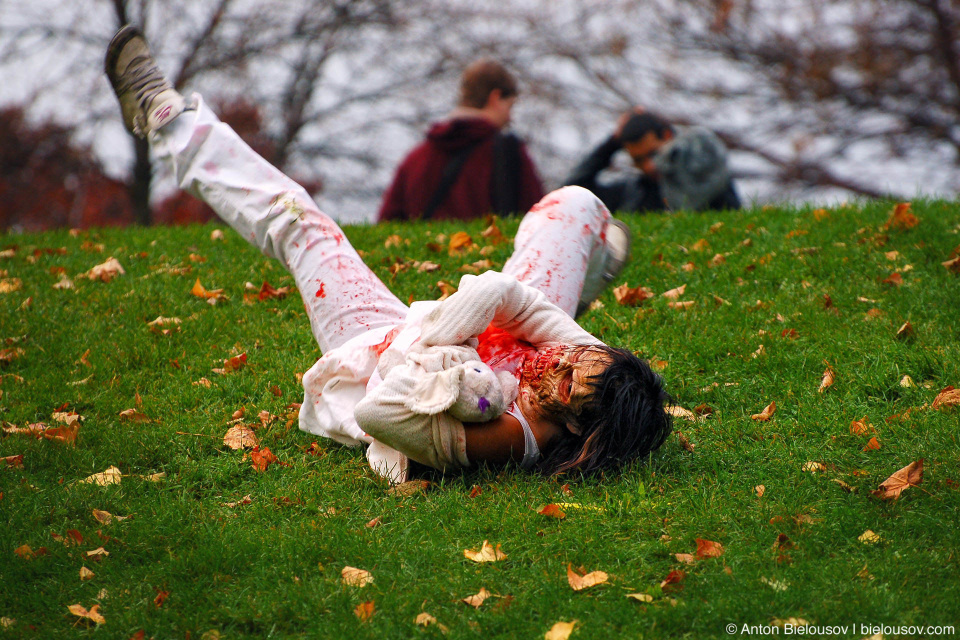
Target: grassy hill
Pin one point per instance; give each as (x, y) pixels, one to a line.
(779, 297)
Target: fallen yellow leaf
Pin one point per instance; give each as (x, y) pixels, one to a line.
(560, 631)
(93, 614)
(486, 553)
(766, 414)
(106, 271)
(353, 577)
(827, 380)
(579, 582)
(240, 437)
(869, 537)
(477, 599)
(111, 476)
(642, 597)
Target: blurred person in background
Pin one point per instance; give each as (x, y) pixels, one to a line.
(468, 166)
(680, 168)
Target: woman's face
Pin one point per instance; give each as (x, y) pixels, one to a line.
(558, 377)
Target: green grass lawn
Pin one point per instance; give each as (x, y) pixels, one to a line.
(187, 565)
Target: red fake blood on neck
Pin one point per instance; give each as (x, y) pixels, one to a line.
(503, 352)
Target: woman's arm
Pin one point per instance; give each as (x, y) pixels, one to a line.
(499, 299)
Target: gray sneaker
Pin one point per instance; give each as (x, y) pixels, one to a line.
(148, 101)
(616, 254)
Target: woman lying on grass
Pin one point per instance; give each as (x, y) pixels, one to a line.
(582, 406)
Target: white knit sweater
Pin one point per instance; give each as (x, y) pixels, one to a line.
(345, 398)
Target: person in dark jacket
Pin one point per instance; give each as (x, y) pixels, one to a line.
(679, 168)
(468, 167)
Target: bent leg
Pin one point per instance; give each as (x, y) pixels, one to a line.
(342, 295)
(560, 245)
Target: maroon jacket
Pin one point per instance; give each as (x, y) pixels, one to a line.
(418, 176)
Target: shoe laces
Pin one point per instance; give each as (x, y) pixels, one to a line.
(144, 78)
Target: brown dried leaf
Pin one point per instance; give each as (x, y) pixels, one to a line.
(717, 260)
(240, 437)
(486, 553)
(947, 399)
(354, 577)
(686, 558)
(708, 549)
(427, 266)
(493, 234)
(161, 597)
(93, 614)
(905, 331)
(674, 294)
(759, 490)
(9, 285)
(157, 326)
(685, 443)
(445, 289)
(10, 354)
(673, 578)
(814, 467)
(901, 218)
(24, 551)
(67, 434)
(477, 599)
(213, 295)
(846, 487)
(409, 488)
(262, 458)
(133, 415)
(579, 582)
(234, 363)
(894, 279)
(766, 414)
(86, 574)
(909, 476)
(872, 445)
(13, 462)
(98, 553)
(111, 476)
(952, 264)
(267, 292)
(460, 241)
(364, 610)
(682, 305)
(700, 245)
(631, 297)
(861, 427)
(827, 380)
(247, 499)
(106, 271)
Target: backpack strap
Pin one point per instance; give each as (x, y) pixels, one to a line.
(505, 177)
(450, 173)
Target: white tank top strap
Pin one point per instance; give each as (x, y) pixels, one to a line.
(531, 452)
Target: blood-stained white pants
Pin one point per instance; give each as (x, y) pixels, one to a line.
(559, 245)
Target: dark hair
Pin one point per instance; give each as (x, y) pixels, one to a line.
(640, 124)
(624, 419)
(480, 79)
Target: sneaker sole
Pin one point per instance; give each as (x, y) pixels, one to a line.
(618, 262)
(117, 43)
